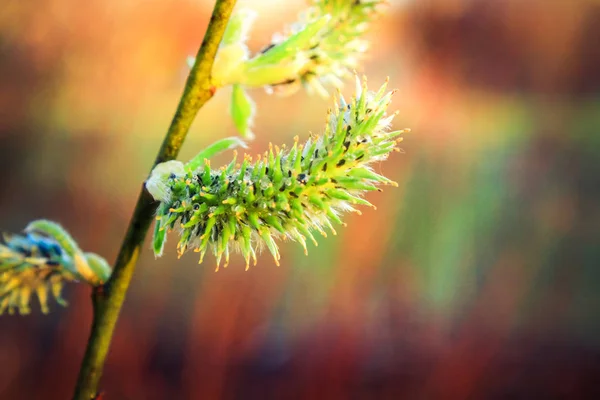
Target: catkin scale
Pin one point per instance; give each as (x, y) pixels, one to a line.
(284, 194)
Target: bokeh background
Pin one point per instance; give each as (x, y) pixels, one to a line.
(477, 278)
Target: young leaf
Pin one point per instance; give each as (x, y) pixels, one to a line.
(233, 51)
(217, 147)
(242, 111)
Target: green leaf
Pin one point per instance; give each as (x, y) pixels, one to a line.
(242, 111)
(159, 239)
(297, 42)
(215, 148)
(238, 27)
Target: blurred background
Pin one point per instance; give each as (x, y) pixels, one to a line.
(477, 278)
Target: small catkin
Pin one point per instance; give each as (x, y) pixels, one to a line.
(340, 46)
(320, 49)
(40, 262)
(283, 194)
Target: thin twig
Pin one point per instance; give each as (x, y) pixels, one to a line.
(108, 299)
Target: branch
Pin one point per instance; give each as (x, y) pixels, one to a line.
(108, 299)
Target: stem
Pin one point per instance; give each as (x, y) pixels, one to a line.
(108, 299)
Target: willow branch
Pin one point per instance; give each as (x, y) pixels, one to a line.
(108, 299)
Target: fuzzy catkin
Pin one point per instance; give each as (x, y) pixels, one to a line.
(30, 264)
(340, 45)
(40, 262)
(284, 194)
(320, 49)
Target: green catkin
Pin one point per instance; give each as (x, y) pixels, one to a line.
(284, 194)
(320, 49)
(340, 46)
(42, 261)
(88, 267)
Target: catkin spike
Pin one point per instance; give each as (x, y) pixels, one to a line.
(285, 194)
(41, 261)
(319, 50)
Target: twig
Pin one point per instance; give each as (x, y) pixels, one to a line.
(108, 299)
